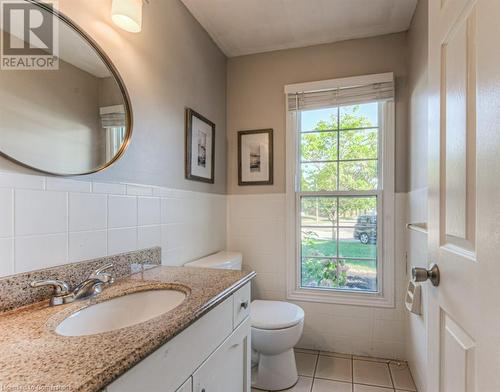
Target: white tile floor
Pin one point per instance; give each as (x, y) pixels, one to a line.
(332, 372)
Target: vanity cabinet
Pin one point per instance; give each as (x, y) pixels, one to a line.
(213, 354)
(228, 368)
(241, 305)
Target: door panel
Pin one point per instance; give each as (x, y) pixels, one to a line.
(463, 325)
(457, 362)
(458, 92)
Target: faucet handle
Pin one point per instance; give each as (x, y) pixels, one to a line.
(60, 287)
(99, 273)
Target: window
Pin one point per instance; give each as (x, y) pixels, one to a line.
(114, 140)
(340, 191)
(114, 123)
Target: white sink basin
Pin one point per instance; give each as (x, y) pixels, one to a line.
(120, 312)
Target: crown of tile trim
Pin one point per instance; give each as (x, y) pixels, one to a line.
(15, 290)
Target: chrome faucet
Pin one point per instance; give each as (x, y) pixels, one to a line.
(86, 289)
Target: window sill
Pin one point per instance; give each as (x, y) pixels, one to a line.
(341, 297)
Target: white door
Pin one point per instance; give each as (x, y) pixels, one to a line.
(464, 195)
(228, 368)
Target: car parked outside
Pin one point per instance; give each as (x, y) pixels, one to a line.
(365, 229)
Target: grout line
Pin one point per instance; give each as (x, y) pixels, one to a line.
(375, 386)
(316, 366)
(13, 226)
(409, 371)
(390, 375)
(67, 228)
(352, 372)
(336, 380)
(136, 220)
(367, 359)
(107, 221)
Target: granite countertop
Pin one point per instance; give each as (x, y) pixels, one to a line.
(34, 357)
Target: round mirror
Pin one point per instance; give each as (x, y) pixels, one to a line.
(64, 109)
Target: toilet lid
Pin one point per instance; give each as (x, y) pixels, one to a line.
(275, 314)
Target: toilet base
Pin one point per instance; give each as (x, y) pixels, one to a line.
(276, 372)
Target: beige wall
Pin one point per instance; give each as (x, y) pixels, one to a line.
(416, 338)
(255, 97)
(417, 93)
(109, 93)
(170, 65)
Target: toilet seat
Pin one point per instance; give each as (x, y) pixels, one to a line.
(272, 315)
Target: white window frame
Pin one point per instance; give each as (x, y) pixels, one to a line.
(385, 197)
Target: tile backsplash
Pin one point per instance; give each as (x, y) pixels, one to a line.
(49, 221)
(15, 291)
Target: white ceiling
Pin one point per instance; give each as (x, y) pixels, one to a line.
(242, 27)
(75, 50)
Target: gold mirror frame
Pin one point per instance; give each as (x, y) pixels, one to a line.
(119, 81)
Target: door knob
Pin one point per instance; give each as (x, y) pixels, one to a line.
(421, 274)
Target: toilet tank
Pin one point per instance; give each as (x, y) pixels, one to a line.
(220, 260)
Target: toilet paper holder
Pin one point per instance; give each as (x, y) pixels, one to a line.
(413, 299)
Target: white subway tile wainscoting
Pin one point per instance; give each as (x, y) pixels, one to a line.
(47, 221)
(256, 227)
(416, 353)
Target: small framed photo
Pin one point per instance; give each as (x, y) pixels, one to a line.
(255, 157)
(200, 147)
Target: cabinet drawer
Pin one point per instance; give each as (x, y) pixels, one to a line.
(241, 305)
(172, 364)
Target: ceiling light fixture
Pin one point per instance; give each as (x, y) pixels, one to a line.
(127, 14)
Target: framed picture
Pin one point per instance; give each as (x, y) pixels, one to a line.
(255, 157)
(200, 147)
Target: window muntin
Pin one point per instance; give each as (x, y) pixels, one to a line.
(338, 197)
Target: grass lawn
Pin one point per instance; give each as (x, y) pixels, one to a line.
(347, 248)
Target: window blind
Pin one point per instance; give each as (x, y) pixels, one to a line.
(309, 100)
(113, 120)
(113, 116)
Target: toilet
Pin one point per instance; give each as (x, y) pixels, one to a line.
(276, 328)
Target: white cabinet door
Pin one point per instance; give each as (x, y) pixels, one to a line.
(228, 368)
